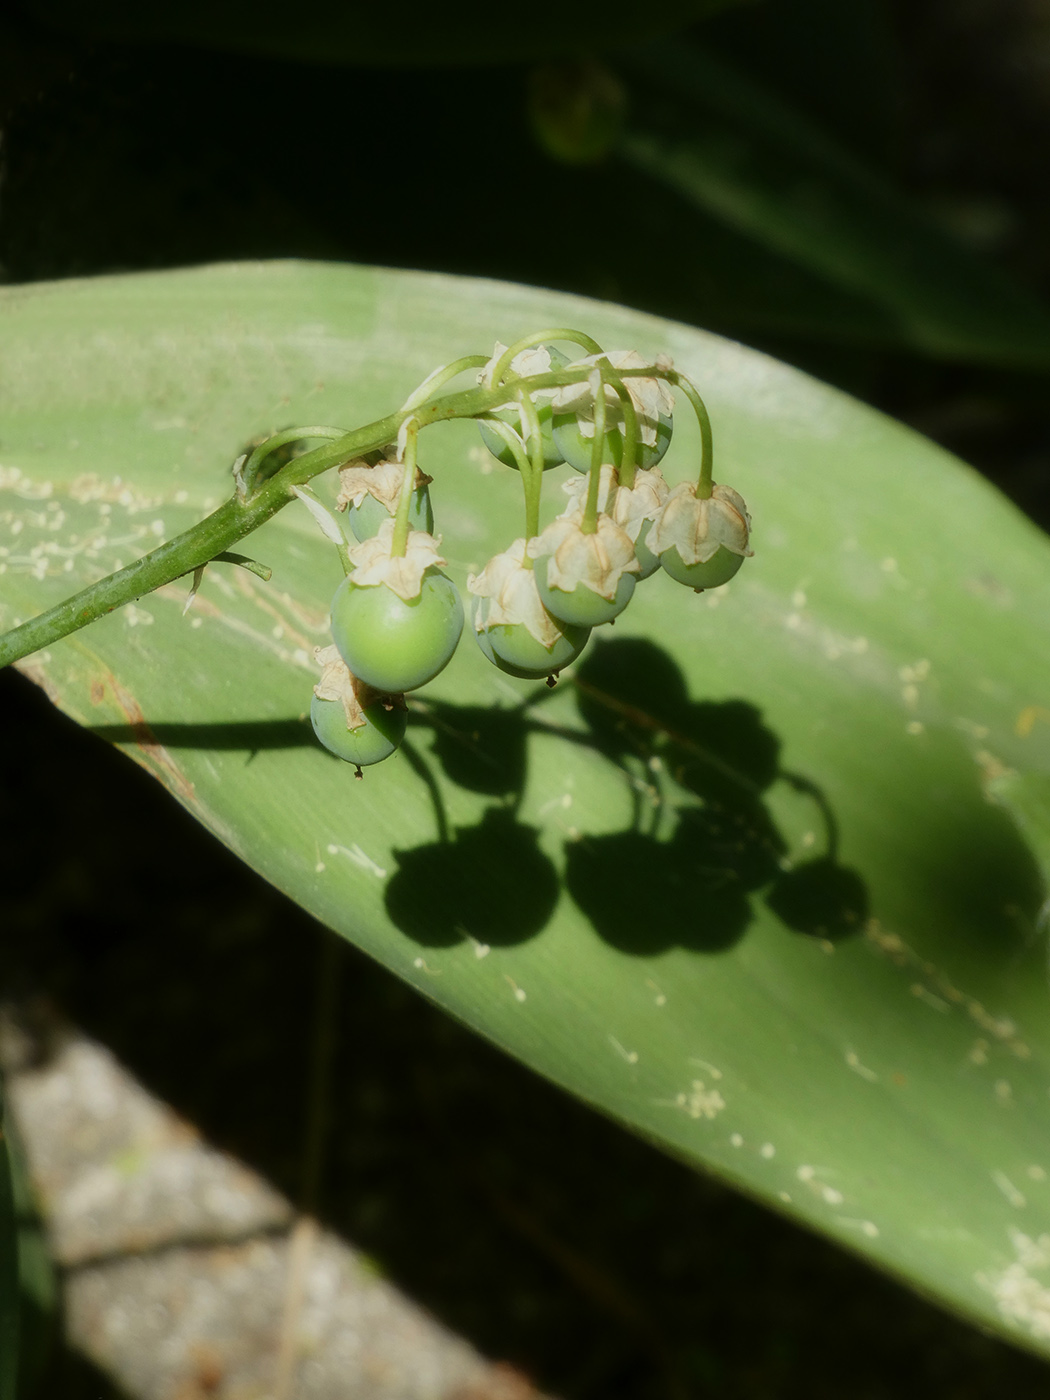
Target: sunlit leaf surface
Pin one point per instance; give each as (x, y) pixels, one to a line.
(751, 883)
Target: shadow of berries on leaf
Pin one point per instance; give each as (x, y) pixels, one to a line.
(491, 882)
(700, 843)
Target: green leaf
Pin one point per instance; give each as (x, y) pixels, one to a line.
(739, 152)
(748, 884)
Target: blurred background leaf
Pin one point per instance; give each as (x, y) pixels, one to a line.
(358, 32)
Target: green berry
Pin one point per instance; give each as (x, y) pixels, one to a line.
(513, 648)
(366, 518)
(575, 448)
(582, 607)
(370, 742)
(715, 571)
(649, 561)
(499, 449)
(394, 644)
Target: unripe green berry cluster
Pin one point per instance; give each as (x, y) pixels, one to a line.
(397, 618)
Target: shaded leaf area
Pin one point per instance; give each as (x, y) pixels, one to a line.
(700, 844)
(680, 875)
(545, 1234)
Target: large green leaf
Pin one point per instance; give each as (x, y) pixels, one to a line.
(840, 719)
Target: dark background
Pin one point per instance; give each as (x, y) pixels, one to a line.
(547, 1236)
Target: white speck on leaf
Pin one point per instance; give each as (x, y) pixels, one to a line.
(631, 1056)
(358, 857)
(1009, 1190)
(855, 1065)
(1023, 1298)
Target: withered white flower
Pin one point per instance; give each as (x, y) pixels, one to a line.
(577, 487)
(697, 528)
(338, 683)
(629, 506)
(383, 481)
(598, 560)
(508, 593)
(536, 359)
(373, 563)
(652, 398)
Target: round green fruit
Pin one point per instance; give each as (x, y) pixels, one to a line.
(391, 644)
(582, 607)
(370, 742)
(717, 570)
(499, 449)
(366, 518)
(649, 561)
(576, 449)
(514, 649)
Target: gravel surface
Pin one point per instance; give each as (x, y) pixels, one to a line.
(187, 1275)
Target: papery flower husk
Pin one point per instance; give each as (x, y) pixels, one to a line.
(629, 506)
(509, 596)
(699, 528)
(652, 398)
(383, 481)
(339, 683)
(577, 487)
(597, 561)
(636, 504)
(535, 359)
(373, 563)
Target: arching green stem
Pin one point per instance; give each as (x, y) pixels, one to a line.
(532, 480)
(256, 502)
(399, 540)
(440, 378)
(538, 338)
(246, 473)
(629, 460)
(594, 481)
(507, 435)
(705, 484)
